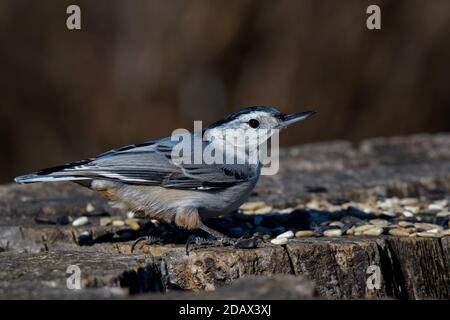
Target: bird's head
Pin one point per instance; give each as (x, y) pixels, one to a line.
(252, 126)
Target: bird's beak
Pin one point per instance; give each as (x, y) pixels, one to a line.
(290, 119)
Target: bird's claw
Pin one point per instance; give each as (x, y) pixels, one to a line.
(240, 243)
(198, 241)
(226, 241)
(149, 239)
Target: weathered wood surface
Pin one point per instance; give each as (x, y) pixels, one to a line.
(398, 166)
(34, 257)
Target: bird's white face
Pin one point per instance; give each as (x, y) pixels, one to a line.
(244, 133)
(247, 131)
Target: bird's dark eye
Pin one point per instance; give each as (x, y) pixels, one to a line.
(253, 123)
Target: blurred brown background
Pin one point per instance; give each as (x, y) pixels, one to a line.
(139, 69)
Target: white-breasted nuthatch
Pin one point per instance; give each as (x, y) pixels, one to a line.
(144, 178)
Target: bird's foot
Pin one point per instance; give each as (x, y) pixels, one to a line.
(149, 241)
(194, 242)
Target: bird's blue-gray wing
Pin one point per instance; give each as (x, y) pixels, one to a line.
(151, 164)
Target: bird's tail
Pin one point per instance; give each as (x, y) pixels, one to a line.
(34, 177)
(54, 174)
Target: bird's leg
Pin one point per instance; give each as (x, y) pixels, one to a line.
(189, 218)
(195, 240)
(214, 233)
(210, 240)
(220, 237)
(240, 243)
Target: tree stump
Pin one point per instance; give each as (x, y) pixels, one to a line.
(38, 242)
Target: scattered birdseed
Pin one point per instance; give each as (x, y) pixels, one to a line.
(373, 231)
(133, 224)
(90, 207)
(285, 211)
(386, 204)
(389, 213)
(81, 221)
(409, 201)
(435, 207)
(279, 241)
(264, 210)
(118, 223)
(426, 226)
(332, 233)
(399, 232)
(427, 234)
(443, 214)
(399, 217)
(408, 214)
(304, 233)
(84, 238)
(351, 231)
(363, 228)
(379, 222)
(405, 224)
(336, 224)
(252, 206)
(288, 234)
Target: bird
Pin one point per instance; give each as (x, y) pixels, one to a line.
(145, 178)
